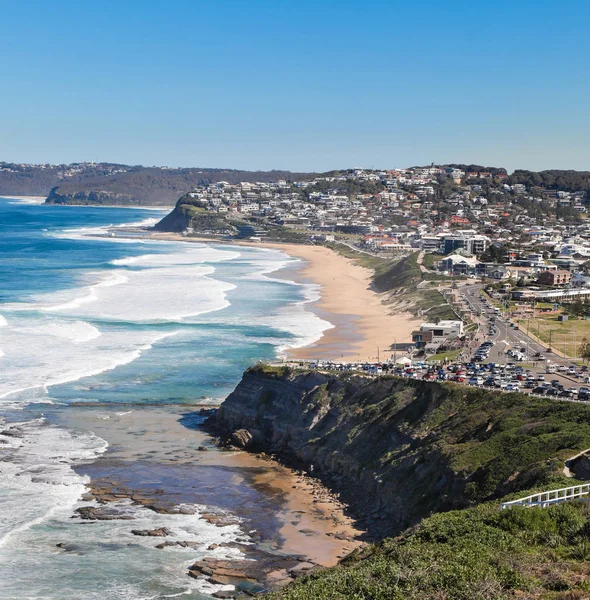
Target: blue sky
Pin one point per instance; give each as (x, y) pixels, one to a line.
(296, 84)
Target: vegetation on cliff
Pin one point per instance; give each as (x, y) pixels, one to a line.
(475, 554)
(435, 457)
(399, 279)
(190, 212)
(437, 446)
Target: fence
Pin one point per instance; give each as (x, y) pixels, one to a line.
(544, 499)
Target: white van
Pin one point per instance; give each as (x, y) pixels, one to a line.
(551, 369)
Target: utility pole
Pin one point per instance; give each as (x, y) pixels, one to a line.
(575, 347)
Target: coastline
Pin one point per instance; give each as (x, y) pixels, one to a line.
(363, 329)
(159, 457)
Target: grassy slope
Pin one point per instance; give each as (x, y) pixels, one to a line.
(476, 554)
(489, 444)
(401, 278)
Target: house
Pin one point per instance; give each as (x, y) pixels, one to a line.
(474, 244)
(458, 263)
(557, 278)
(436, 333)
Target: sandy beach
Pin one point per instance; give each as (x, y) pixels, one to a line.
(363, 326)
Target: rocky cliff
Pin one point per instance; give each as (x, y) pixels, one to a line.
(400, 449)
(189, 212)
(91, 197)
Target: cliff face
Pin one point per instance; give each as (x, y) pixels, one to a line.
(91, 197)
(400, 449)
(175, 221)
(349, 432)
(189, 212)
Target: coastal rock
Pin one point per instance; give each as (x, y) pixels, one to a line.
(180, 544)
(160, 532)
(343, 430)
(91, 513)
(301, 568)
(242, 438)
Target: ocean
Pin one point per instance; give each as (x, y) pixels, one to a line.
(123, 325)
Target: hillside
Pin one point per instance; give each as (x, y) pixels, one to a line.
(111, 183)
(400, 451)
(474, 554)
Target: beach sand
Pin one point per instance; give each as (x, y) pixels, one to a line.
(364, 329)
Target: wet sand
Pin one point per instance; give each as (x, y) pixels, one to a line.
(160, 452)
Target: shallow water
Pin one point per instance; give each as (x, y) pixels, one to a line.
(126, 323)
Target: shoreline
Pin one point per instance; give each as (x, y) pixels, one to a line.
(363, 329)
(42, 199)
(292, 514)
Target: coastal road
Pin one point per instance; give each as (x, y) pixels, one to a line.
(507, 337)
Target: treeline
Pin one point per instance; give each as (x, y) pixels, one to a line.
(142, 185)
(568, 181)
(477, 168)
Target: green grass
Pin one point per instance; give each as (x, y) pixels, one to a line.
(430, 261)
(565, 336)
(403, 273)
(476, 554)
(450, 355)
(375, 263)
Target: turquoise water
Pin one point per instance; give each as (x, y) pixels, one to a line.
(93, 319)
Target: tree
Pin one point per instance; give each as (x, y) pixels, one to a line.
(577, 308)
(584, 350)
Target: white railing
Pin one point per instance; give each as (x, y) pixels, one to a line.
(544, 499)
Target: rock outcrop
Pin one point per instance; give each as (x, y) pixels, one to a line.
(398, 449)
(362, 437)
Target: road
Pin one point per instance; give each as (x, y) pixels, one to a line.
(507, 337)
